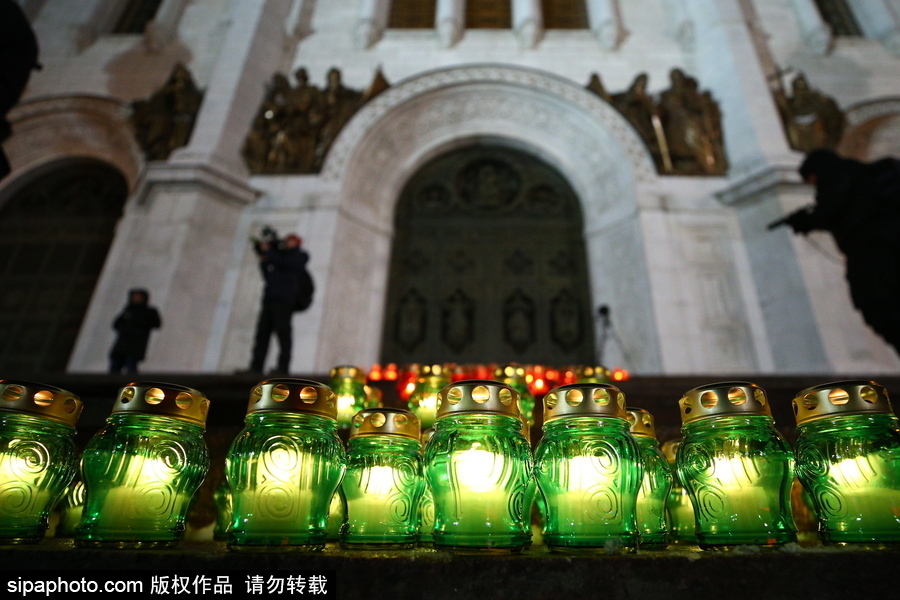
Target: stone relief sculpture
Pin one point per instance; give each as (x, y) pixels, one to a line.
(295, 126)
(811, 119)
(682, 128)
(164, 122)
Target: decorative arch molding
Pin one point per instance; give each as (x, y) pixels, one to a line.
(867, 129)
(49, 129)
(569, 127)
(397, 132)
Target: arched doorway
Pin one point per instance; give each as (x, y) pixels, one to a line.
(57, 229)
(488, 264)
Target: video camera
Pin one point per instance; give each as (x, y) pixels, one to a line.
(269, 236)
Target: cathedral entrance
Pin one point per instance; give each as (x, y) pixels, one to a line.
(488, 264)
(57, 230)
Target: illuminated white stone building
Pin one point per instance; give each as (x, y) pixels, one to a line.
(694, 281)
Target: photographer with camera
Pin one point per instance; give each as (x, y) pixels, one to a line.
(283, 266)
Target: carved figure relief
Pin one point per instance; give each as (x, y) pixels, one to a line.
(518, 321)
(411, 320)
(456, 323)
(811, 119)
(165, 121)
(682, 128)
(565, 320)
(296, 126)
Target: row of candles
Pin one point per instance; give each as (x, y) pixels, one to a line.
(597, 473)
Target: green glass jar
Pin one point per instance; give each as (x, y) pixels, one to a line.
(479, 467)
(70, 509)
(142, 469)
(848, 459)
(680, 520)
(349, 386)
(284, 467)
(736, 466)
(425, 525)
(38, 457)
(588, 469)
(656, 485)
(384, 482)
(430, 380)
(222, 500)
(514, 377)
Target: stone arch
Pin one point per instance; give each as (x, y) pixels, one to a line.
(46, 130)
(873, 130)
(573, 130)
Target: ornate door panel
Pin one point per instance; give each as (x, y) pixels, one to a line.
(488, 264)
(56, 233)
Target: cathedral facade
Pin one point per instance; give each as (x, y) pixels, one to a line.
(536, 181)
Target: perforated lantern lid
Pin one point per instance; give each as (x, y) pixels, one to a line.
(386, 421)
(162, 399)
(641, 422)
(475, 396)
(727, 398)
(348, 372)
(40, 400)
(841, 398)
(584, 400)
(293, 395)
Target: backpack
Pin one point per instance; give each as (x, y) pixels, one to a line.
(305, 289)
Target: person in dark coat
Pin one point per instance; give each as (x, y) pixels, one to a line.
(859, 203)
(280, 264)
(18, 57)
(133, 325)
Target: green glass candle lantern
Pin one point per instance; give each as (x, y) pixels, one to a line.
(38, 457)
(384, 483)
(656, 485)
(848, 459)
(222, 500)
(142, 469)
(680, 519)
(70, 509)
(479, 467)
(588, 469)
(349, 386)
(426, 504)
(592, 374)
(423, 401)
(514, 377)
(736, 467)
(284, 467)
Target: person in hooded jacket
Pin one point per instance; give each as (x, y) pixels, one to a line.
(133, 325)
(859, 204)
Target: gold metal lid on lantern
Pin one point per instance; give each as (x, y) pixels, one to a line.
(348, 372)
(670, 449)
(592, 374)
(584, 400)
(724, 399)
(293, 395)
(386, 421)
(40, 400)
(478, 396)
(162, 399)
(641, 422)
(841, 398)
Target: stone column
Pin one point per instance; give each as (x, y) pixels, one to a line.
(528, 22)
(449, 21)
(816, 33)
(179, 225)
(879, 19)
(373, 18)
(761, 180)
(606, 23)
(164, 26)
